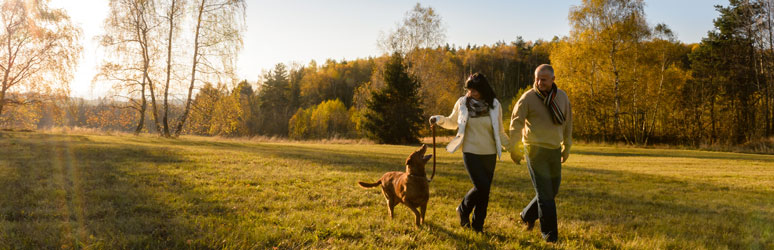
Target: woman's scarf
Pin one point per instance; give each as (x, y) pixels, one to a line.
(477, 108)
(548, 99)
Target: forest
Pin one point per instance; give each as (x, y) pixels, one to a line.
(171, 68)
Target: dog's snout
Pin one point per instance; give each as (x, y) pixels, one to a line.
(422, 149)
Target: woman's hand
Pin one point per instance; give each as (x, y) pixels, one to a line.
(434, 119)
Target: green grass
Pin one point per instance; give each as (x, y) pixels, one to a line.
(118, 192)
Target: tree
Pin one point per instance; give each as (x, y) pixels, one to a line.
(274, 97)
(326, 120)
(667, 50)
(203, 108)
(217, 41)
(613, 28)
(172, 14)
(394, 115)
(734, 61)
(227, 117)
(129, 32)
(39, 51)
(421, 28)
(333, 80)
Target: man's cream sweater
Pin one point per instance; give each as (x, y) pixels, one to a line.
(531, 123)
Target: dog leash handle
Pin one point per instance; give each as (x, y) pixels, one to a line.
(432, 127)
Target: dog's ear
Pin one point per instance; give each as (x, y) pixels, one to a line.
(427, 157)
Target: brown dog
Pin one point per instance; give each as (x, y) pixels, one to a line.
(409, 188)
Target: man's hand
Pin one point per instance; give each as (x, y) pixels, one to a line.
(565, 155)
(516, 156)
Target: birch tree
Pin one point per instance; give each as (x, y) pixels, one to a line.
(129, 31)
(217, 40)
(39, 50)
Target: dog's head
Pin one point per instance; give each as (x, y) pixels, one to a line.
(415, 163)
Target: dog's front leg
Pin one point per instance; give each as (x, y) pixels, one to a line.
(417, 216)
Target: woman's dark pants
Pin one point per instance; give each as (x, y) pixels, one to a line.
(481, 171)
(545, 168)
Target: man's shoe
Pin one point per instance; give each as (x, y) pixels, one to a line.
(528, 224)
(464, 220)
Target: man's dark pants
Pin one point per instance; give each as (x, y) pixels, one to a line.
(545, 168)
(481, 171)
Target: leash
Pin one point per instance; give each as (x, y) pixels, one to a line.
(432, 127)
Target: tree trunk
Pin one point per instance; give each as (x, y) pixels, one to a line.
(616, 93)
(769, 125)
(2, 100)
(635, 111)
(6, 85)
(714, 137)
(169, 69)
(649, 130)
(143, 105)
(146, 68)
(180, 122)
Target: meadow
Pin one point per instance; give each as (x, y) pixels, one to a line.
(89, 191)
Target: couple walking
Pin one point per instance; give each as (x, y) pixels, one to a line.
(541, 119)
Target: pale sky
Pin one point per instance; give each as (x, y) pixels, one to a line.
(303, 30)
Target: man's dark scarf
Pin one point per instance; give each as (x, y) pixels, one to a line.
(549, 99)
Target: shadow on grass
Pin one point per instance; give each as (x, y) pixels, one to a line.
(700, 213)
(353, 160)
(462, 241)
(624, 204)
(60, 191)
(65, 191)
(679, 154)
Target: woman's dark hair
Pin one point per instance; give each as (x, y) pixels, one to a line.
(478, 82)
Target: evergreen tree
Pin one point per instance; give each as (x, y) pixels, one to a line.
(394, 115)
(724, 64)
(274, 108)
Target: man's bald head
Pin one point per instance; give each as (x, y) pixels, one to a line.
(544, 68)
(544, 77)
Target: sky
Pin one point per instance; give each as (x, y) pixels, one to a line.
(296, 31)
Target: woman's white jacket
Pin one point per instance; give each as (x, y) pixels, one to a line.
(459, 118)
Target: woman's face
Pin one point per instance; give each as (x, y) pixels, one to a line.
(474, 93)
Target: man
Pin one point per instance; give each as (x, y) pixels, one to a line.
(542, 120)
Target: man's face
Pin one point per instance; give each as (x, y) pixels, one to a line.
(544, 80)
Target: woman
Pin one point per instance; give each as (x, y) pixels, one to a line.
(477, 116)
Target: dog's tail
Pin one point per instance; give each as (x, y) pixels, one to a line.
(369, 185)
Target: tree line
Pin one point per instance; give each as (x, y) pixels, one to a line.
(629, 81)
(632, 82)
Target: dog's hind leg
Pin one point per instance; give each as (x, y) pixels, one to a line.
(390, 204)
(417, 216)
(423, 211)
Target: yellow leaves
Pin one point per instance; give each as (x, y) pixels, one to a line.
(21, 116)
(326, 120)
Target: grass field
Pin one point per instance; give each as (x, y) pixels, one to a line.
(119, 192)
